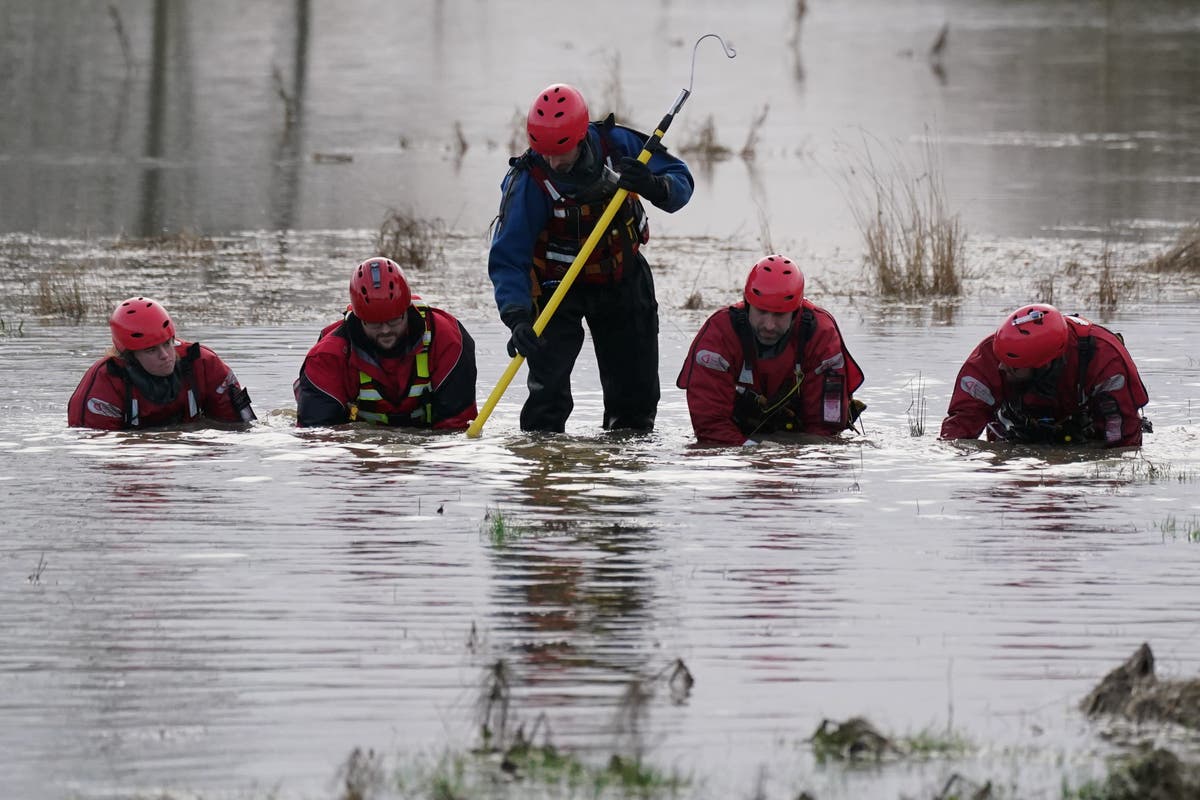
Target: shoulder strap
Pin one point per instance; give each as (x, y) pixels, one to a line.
(117, 370)
(805, 331)
(741, 326)
(609, 122)
(516, 165)
(1087, 349)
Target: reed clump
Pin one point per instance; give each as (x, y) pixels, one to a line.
(184, 241)
(914, 245)
(1183, 256)
(509, 753)
(917, 406)
(705, 146)
(410, 241)
(61, 294)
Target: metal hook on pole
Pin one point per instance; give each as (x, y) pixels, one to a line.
(684, 94)
(729, 53)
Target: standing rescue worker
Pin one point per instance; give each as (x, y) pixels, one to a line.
(392, 360)
(774, 362)
(1047, 377)
(148, 379)
(551, 199)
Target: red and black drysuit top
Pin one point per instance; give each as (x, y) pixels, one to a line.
(737, 389)
(1091, 393)
(428, 381)
(116, 393)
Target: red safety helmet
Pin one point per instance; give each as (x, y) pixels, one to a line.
(378, 291)
(558, 120)
(775, 284)
(138, 323)
(1031, 337)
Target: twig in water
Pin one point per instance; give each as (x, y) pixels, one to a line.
(36, 576)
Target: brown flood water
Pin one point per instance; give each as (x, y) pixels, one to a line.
(230, 614)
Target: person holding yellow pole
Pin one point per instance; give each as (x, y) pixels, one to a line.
(552, 197)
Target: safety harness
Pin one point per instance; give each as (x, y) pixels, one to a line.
(573, 218)
(371, 406)
(754, 412)
(133, 411)
(1020, 424)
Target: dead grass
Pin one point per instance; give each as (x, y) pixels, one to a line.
(612, 94)
(750, 148)
(917, 406)
(518, 138)
(704, 145)
(61, 294)
(914, 246)
(1184, 255)
(1106, 290)
(411, 242)
(185, 241)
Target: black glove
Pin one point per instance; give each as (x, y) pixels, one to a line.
(523, 339)
(637, 177)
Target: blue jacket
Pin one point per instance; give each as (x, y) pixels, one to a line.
(527, 207)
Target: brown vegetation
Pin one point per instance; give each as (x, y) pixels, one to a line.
(61, 294)
(1184, 256)
(184, 241)
(704, 145)
(411, 242)
(1133, 691)
(914, 246)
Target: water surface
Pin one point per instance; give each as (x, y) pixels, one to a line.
(232, 613)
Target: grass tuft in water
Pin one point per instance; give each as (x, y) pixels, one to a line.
(361, 776)
(917, 406)
(1106, 292)
(185, 241)
(857, 739)
(1172, 528)
(930, 743)
(411, 242)
(1148, 774)
(535, 771)
(8, 329)
(1141, 469)
(914, 246)
(1184, 256)
(704, 146)
(528, 762)
(501, 530)
(61, 294)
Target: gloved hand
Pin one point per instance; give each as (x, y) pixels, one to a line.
(523, 339)
(637, 177)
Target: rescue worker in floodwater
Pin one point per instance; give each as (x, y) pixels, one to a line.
(391, 360)
(1045, 377)
(552, 197)
(148, 379)
(773, 362)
